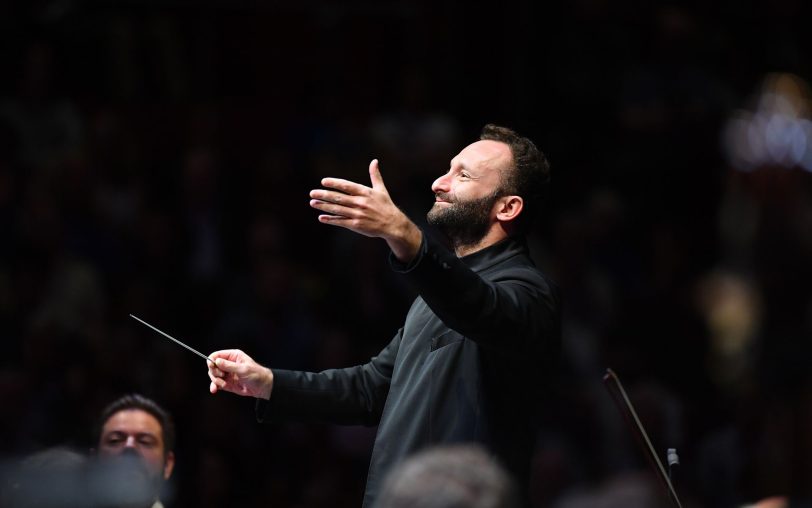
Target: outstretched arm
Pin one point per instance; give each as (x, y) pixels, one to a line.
(368, 211)
(353, 395)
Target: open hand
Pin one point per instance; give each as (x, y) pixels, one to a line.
(368, 211)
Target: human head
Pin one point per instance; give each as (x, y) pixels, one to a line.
(134, 425)
(449, 476)
(528, 175)
(492, 189)
(49, 478)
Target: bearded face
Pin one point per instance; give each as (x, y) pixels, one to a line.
(463, 221)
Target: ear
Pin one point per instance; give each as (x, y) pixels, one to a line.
(508, 208)
(169, 465)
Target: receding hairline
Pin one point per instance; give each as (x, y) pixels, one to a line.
(497, 150)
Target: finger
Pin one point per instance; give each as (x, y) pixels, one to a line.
(214, 375)
(375, 175)
(218, 385)
(226, 365)
(226, 353)
(334, 209)
(338, 198)
(337, 220)
(345, 186)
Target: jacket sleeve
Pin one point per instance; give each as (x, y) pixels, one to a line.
(351, 396)
(513, 308)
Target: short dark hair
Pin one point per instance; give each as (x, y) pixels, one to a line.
(137, 401)
(529, 175)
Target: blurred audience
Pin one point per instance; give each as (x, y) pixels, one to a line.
(55, 477)
(157, 161)
(449, 476)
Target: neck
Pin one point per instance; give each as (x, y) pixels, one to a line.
(495, 235)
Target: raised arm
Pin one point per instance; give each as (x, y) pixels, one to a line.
(368, 211)
(509, 307)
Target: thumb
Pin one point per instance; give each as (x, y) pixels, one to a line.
(225, 365)
(375, 175)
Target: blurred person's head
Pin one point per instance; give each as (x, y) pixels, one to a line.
(137, 435)
(49, 478)
(493, 188)
(449, 476)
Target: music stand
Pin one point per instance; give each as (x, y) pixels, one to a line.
(612, 383)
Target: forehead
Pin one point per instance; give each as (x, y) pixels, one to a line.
(484, 154)
(134, 421)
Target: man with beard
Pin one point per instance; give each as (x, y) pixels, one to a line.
(135, 439)
(468, 365)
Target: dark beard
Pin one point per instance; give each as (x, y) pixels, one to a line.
(464, 223)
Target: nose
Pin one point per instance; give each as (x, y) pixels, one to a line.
(130, 442)
(442, 184)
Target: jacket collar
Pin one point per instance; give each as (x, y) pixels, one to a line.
(495, 254)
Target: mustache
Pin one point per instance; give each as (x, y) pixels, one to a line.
(443, 196)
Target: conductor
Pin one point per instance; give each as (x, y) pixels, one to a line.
(469, 361)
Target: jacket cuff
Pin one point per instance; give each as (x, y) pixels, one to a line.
(264, 409)
(402, 267)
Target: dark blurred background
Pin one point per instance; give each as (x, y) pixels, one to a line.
(156, 158)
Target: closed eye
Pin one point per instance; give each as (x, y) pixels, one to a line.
(147, 440)
(114, 439)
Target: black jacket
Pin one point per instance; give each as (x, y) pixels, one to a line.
(467, 365)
